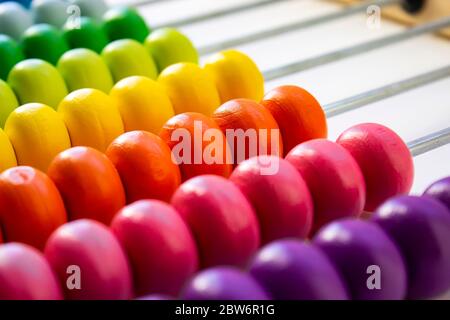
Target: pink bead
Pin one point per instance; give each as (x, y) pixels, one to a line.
(159, 245)
(26, 275)
(384, 159)
(92, 248)
(278, 194)
(221, 219)
(333, 178)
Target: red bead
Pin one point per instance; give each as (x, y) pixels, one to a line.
(221, 219)
(87, 250)
(384, 159)
(278, 194)
(333, 178)
(159, 245)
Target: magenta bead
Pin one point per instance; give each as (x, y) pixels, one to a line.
(420, 226)
(333, 178)
(357, 248)
(91, 247)
(280, 197)
(26, 275)
(221, 219)
(223, 283)
(294, 270)
(159, 246)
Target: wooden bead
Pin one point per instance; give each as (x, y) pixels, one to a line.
(52, 12)
(14, 19)
(126, 58)
(236, 76)
(333, 177)
(8, 102)
(92, 118)
(38, 81)
(10, 55)
(88, 34)
(440, 190)
(83, 68)
(94, 9)
(190, 88)
(384, 159)
(98, 257)
(37, 134)
(7, 156)
(36, 203)
(168, 46)
(125, 23)
(88, 183)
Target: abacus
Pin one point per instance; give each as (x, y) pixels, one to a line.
(353, 123)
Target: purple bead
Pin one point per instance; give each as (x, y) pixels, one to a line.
(223, 283)
(421, 228)
(155, 297)
(294, 270)
(440, 190)
(368, 259)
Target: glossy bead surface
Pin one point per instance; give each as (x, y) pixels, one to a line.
(36, 203)
(94, 9)
(360, 250)
(83, 68)
(236, 76)
(37, 81)
(278, 194)
(384, 159)
(294, 270)
(145, 166)
(159, 246)
(8, 102)
(223, 283)
(87, 34)
(420, 227)
(98, 257)
(10, 55)
(333, 178)
(16, 280)
(88, 183)
(126, 58)
(143, 104)
(92, 118)
(298, 114)
(190, 88)
(37, 134)
(125, 23)
(52, 12)
(169, 46)
(220, 218)
(244, 117)
(182, 133)
(7, 156)
(440, 190)
(14, 19)
(43, 41)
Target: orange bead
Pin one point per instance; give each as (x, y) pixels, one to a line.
(202, 150)
(250, 129)
(89, 184)
(145, 166)
(298, 114)
(30, 206)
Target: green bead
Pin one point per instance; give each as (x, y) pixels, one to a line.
(83, 68)
(126, 58)
(10, 54)
(14, 19)
(35, 80)
(87, 35)
(125, 23)
(169, 46)
(43, 41)
(53, 12)
(8, 102)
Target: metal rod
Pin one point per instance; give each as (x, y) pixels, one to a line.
(359, 100)
(136, 3)
(295, 26)
(218, 13)
(429, 142)
(354, 50)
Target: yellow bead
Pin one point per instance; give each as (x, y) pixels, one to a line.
(7, 155)
(236, 76)
(8, 102)
(83, 68)
(37, 134)
(92, 118)
(143, 104)
(190, 88)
